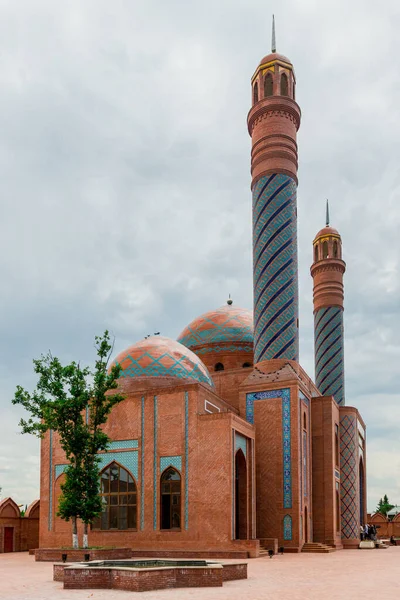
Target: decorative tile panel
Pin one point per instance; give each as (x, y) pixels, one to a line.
(329, 354)
(348, 469)
(142, 465)
(186, 521)
(50, 516)
(155, 477)
(171, 461)
(241, 443)
(122, 444)
(224, 325)
(275, 271)
(59, 470)
(287, 528)
(284, 394)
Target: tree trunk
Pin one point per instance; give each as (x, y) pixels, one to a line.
(85, 535)
(75, 543)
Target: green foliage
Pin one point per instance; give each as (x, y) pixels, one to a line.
(384, 505)
(74, 402)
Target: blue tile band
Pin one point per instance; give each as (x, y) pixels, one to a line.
(275, 271)
(284, 394)
(186, 460)
(155, 478)
(50, 517)
(142, 465)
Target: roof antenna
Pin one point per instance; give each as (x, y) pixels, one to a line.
(273, 45)
(327, 213)
(229, 301)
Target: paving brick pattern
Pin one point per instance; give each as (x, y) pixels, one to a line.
(347, 574)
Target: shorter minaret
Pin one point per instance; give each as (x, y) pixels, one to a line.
(328, 294)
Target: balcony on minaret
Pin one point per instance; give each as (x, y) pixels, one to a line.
(274, 77)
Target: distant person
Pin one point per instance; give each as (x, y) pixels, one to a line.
(392, 540)
(366, 531)
(362, 534)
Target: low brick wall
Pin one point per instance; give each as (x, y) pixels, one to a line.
(239, 554)
(143, 580)
(55, 554)
(233, 572)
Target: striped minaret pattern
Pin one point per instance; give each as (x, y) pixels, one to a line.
(273, 122)
(275, 268)
(328, 339)
(327, 272)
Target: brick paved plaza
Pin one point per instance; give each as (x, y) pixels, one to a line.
(347, 574)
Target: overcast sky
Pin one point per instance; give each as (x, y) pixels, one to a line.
(125, 174)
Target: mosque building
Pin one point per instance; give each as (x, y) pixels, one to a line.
(223, 443)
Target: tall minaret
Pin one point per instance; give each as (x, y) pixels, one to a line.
(273, 122)
(327, 272)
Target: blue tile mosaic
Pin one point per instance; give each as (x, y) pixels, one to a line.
(287, 528)
(241, 443)
(329, 352)
(142, 465)
(155, 475)
(170, 461)
(186, 517)
(59, 470)
(50, 516)
(284, 394)
(122, 444)
(275, 270)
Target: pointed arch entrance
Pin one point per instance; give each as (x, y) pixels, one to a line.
(240, 496)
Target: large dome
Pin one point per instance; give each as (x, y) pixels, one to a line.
(229, 325)
(159, 360)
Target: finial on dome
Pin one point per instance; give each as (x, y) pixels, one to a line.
(327, 213)
(273, 45)
(229, 301)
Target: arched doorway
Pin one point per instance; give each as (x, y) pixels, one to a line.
(240, 496)
(305, 524)
(361, 491)
(170, 499)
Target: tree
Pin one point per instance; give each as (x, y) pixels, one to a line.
(74, 402)
(384, 505)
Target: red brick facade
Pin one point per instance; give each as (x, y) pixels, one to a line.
(260, 453)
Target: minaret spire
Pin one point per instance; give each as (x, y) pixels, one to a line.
(273, 45)
(327, 213)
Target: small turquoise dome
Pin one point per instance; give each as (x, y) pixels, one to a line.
(228, 325)
(160, 360)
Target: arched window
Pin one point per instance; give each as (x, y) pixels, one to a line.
(119, 498)
(255, 93)
(325, 250)
(335, 250)
(284, 85)
(170, 499)
(268, 85)
(316, 253)
(246, 365)
(219, 367)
